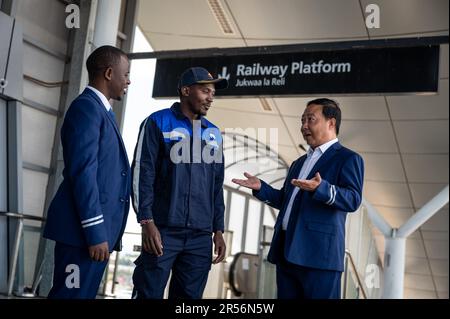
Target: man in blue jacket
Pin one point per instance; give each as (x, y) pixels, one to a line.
(308, 244)
(178, 173)
(88, 213)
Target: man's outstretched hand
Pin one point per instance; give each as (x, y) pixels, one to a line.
(308, 185)
(251, 182)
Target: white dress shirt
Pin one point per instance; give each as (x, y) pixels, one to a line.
(312, 156)
(102, 98)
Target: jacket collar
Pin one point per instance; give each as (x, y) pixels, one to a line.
(101, 96)
(176, 109)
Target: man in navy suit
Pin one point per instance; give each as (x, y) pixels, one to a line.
(322, 186)
(88, 214)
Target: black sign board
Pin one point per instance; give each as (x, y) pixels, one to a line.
(357, 71)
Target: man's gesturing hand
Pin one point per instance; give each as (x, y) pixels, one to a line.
(151, 239)
(251, 182)
(309, 185)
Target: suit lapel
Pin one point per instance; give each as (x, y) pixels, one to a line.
(327, 156)
(110, 118)
(289, 187)
(294, 174)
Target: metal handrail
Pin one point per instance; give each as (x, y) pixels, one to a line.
(15, 251)
(22, 216)
(355, 271)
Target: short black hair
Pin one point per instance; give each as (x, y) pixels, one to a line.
(102, 58)
(330, 109)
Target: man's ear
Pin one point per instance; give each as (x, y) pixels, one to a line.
(333, 123)
(108, 73)
(185, 91)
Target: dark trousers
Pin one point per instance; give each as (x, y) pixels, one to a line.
(299, 282)
(187, 253)
(76, 275)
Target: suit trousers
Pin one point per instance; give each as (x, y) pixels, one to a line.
(76, 275)
(299, 282)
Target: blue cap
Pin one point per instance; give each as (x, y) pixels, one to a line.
(199, 75)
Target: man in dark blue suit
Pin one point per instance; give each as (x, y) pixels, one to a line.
(88, 214)
(322, 186)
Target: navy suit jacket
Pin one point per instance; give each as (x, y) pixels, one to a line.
(315, 236)
(92, 203)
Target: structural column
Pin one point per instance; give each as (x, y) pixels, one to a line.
(106, 22)
(394, 267)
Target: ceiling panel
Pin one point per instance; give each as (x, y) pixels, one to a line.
(264, 42)
(417, 266)
(437, 223)
(193, 17)
(288, 153)
(230, 119)
(361, 136)
(426, 168)
(422, 136)
(418, 107)
(296, 19)
(368, 136)
(383, 167)
(441, 283)
(422, 193)
(353, 108)
(415, 248)
(395, 216)
(387, 194)
(243, 105)
(439, 267)
(437, 249)
(434, 235)
(410, 16)
(419, 281)
(418, 294)
(293, 125)
(442, 295)
(160, 42)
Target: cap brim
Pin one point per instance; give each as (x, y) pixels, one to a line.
(219, 83)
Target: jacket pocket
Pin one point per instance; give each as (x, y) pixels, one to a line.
(322, 228)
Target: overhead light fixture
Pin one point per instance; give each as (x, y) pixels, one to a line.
(265, 104)
(221, 17)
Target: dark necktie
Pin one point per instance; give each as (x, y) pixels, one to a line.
(112, 115)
